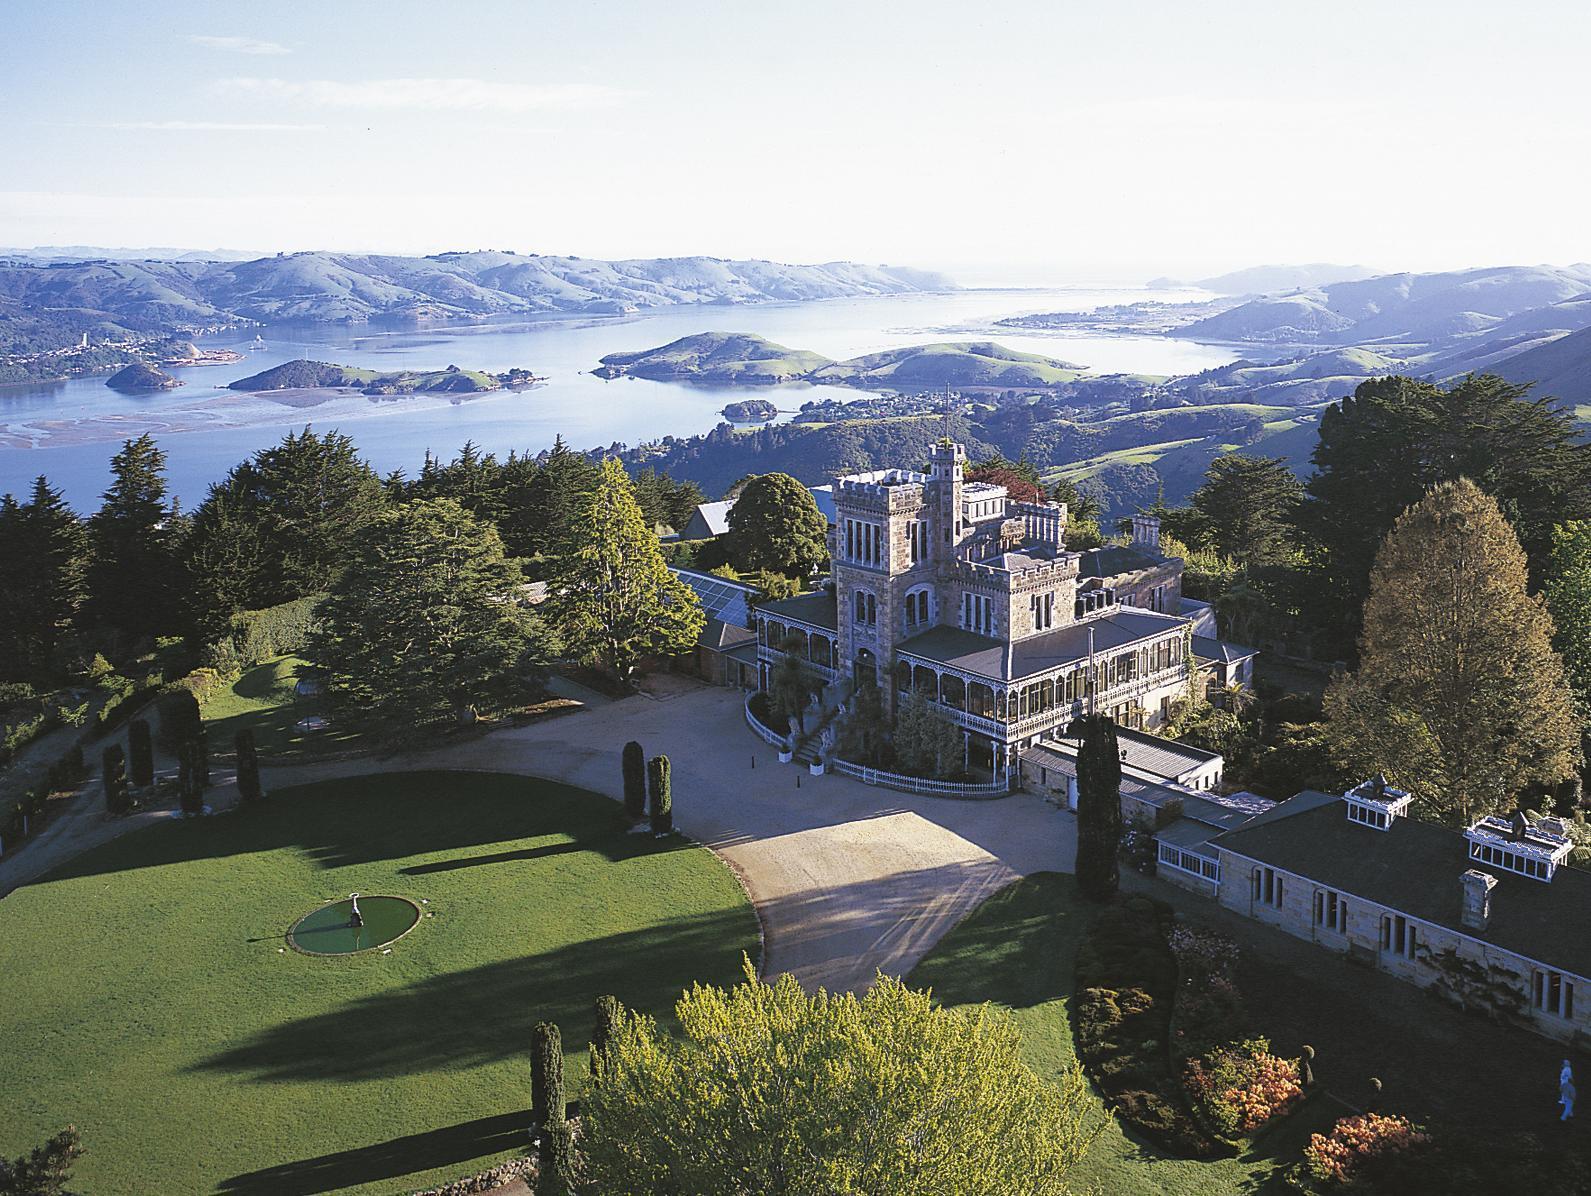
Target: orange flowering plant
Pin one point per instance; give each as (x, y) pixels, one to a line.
(1240, 1087)
(1333, 1158)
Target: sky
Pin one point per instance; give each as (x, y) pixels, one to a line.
(1022, 142)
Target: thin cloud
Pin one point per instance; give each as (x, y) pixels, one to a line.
(238, 45)
(434, 95)
(208, 126)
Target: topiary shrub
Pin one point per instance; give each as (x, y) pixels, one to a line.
(140, 754)
(249, 788)
(113, 774)
(179, 717)
(659, 786)
(634, 760)
(547, 1106)
(608, 1013)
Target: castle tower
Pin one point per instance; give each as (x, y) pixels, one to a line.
(947, 464)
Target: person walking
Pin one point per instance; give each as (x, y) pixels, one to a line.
(1566, 1091)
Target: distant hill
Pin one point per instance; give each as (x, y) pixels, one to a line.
(957, 364)
(1265, 280)
(726, 357)
(1560, 368)
(318, 375)
(179, 296)
(1406, 309)
(139, 378)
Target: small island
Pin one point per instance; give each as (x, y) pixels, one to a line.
(745, 359)
(141, 378)
(304, 375)
(750, 411)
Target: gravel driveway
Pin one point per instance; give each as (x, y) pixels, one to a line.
(847, 879)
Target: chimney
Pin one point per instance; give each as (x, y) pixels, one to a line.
(1477, 907)
(1519, 826)
(1146, 531)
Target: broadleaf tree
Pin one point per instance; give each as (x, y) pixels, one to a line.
(768, 1089)
(1458, 697)
(428, 623)
(612, 597)
(775, 524)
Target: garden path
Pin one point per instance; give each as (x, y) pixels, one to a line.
(847, 879)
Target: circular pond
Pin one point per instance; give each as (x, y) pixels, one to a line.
(333, 930)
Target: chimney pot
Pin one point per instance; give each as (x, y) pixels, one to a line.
(1476, 910)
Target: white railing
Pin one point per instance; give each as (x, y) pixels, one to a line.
(894, 780)
(765, 733)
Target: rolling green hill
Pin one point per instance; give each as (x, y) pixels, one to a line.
(725, 357)
(294, 375)
(956, 364)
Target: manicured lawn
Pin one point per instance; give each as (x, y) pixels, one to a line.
(1017, 951)
(263, 700)
(150, 997)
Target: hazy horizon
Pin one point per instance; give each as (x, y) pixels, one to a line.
(1024, 142)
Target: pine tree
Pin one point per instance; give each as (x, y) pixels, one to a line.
(428, 624)
(634, 763)
(1459, 696)
(1247, 505)
(775, 524)
(249, 788)
(614, 598)
(659, 776)
(45, 548)
(1568, 592)
(559, 498)
(132, 564)
(1098, 807)
(546, 1076)
(140, 754)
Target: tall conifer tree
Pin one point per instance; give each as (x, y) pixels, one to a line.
(1098, 807)
(132, 571)
(612, 596)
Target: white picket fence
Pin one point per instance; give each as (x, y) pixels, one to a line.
(894, 780)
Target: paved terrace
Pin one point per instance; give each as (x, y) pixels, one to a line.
(847, 879)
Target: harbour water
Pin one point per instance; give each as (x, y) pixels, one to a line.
(69, 430)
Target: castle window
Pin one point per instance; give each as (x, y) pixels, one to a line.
(917, 607)
(1552, 992)
(1267, 887)
(1398, 935)
(864, 609)
(1331, 911)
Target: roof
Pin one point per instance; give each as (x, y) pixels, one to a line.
(714, 517)
(720, 635)
(816, 609)
(728, 601)
(1189, 833)
(985, 656)
(1414, 867)
(1206, 648)
(1114, 560)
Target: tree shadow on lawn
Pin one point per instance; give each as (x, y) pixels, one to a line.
(458, 1021)
(457, 1144)
(385, 816)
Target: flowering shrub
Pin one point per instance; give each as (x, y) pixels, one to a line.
(1334, 1158)
(1203, 954)
(1209, 1010)
(1240, 1087)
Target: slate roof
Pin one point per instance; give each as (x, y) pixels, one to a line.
(985, 656)
(817, 608)
(721, 635)
(1207, 648)
(1414, 868)
(1114, 560)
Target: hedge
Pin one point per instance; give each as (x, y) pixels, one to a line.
(260, 635)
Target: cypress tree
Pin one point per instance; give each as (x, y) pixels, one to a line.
(189, 796)
(634, 760)
(1098, 807)
(140, 754)
(546, 1076)
(608, 1013)
(45, 547)
(180, 720)
(113, 774)
(555, 1174)
(132, 565)
(659, 782)
(249, 788)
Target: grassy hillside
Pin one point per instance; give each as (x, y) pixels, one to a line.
(293, 375)
(1561, 368)
(957, 364)
(727, 357)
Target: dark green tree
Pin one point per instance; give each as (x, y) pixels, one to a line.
(609, 1011)
(614, 600)
(45, 548)
(180, 720)
(1383, 448)
(865, 729)
(659, 777)
(140, 754)
(665, 502)
(1098, 807)
(1248, 505)
(429, 623)
(132, 536)
(546, 1076)
(113, 775)
(226, 554)
(559, 501)
(249, 788)
(775, 524)
(555, 1173)
(193, 775)
(45, 1170)
(634, 763)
